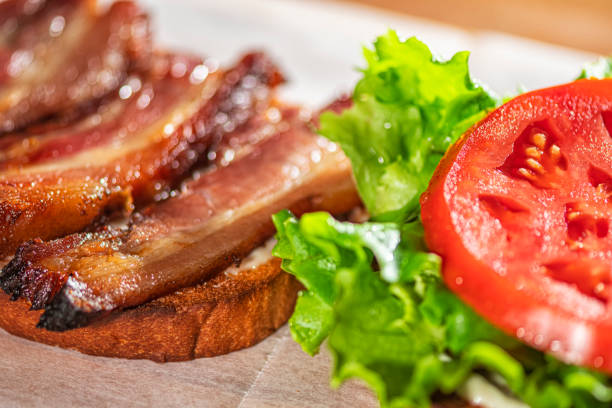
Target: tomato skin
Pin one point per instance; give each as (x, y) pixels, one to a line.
(552, 311)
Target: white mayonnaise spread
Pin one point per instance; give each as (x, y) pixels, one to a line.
(478, 391)
(256, 258)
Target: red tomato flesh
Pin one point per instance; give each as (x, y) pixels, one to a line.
(520, 209)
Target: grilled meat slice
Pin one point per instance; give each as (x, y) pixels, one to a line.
(216, 220)
(56, 55)
(135, 147)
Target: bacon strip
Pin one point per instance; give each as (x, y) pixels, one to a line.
(56, 55)
(14, 14)
(136, 146)
(216, 220)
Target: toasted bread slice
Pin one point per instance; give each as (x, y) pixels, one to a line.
(234, 310)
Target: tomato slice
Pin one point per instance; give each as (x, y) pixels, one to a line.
(520, 208)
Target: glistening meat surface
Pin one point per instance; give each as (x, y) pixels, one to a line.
(134, 147)
(56, 55)
(215, 221)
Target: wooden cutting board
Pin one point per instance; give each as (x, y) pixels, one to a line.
(583, 24)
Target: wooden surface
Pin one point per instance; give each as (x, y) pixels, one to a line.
(582, 24)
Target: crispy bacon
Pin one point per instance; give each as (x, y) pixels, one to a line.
(56, 55)
(13, 15)
(135, 146)
(216, 220)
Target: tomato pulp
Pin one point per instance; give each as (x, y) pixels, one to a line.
(520, 208)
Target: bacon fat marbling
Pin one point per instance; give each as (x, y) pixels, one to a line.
(214, 221)
(133, 148)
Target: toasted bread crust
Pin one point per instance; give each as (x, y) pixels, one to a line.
(227, 313)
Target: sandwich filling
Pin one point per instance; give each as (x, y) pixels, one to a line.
(415, 324)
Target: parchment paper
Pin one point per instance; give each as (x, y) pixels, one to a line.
(274, 373)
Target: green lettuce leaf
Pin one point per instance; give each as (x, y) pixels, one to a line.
(411, 337)
(408, 108)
